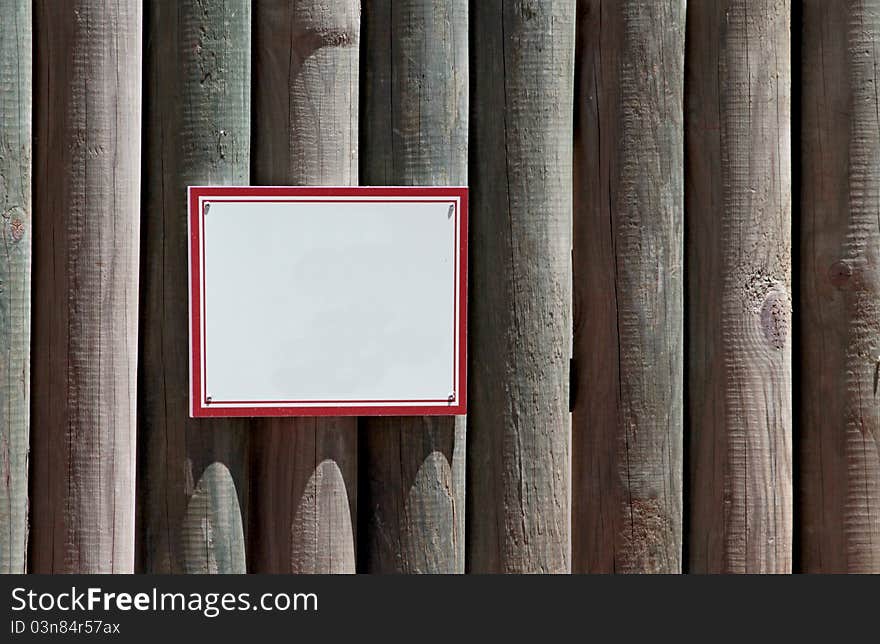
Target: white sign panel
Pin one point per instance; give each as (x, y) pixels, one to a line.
(327, 301)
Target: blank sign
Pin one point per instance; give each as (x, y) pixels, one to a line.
(327, 301)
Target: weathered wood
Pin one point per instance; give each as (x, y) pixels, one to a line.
(192, 473)
(628, 287)
(840, 287)
(306, 55)
(414, 133)
(86, 234)
(520, 170)
(738, 205)
(15, 279)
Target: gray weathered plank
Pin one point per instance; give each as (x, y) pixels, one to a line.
(628, 287)
(520, 323)
(305, 130)
(86, 233)
(414, 132)
(738, 205)
(193, 475)
(15, 279)
(840, 287)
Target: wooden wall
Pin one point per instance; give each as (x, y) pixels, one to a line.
(674, 352)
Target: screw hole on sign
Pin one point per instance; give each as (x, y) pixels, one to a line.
(451, 211)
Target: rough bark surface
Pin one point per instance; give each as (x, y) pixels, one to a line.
(86, 222)
(840, 287)
(628, 287)
(192, 472)
(305, 129)
(414, 133)
(521, 170)
(738, 204)
(15, 279)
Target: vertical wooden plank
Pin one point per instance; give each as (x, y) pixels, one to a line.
(522, 58)
(414, 133)
(86, 223)
(628, 287)
(192, 473)
(840, 287)
(305, 128)
(738, 204)
(15, 279)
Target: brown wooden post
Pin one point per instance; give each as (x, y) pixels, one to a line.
(840, 287)
(628, 287)
(415, 133)
(305, 128)
(738, 213)
(520, 298)
(197, 132)
(15, 279)
(86, 233)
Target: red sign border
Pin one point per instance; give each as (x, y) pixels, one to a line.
(203, 409)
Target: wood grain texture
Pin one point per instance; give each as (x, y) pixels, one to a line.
(522, 59)
(305, 129)
(628, 287)
(15, 279)
(192, 473)
(840, 287)
(86, 233)
(738, 205)
(414, 132)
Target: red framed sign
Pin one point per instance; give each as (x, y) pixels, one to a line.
(327, 301)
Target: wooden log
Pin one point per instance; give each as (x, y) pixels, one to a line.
(192, 473)
(86, 222)
(628, 287)
(738, 205)
(15, 279)
(306, 56)
(520, 323)
(414, 133)
(840, 287)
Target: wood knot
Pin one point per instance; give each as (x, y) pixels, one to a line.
(528, 11)
(776, 318)
(840, 273)
(334, 38)
(17, 229)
